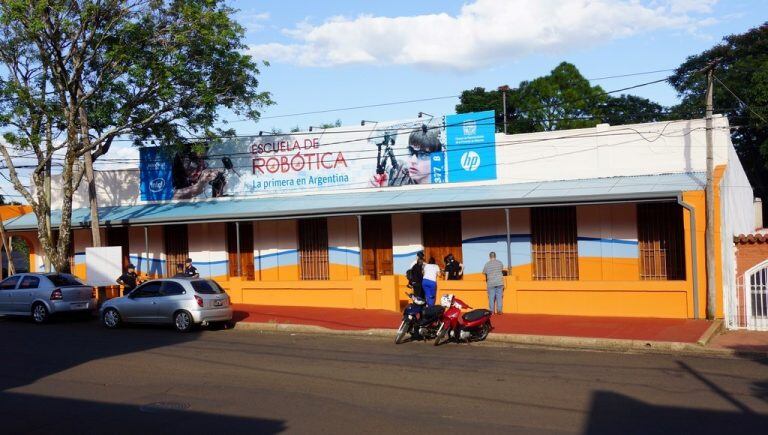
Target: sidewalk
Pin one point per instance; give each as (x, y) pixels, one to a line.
(614, 333)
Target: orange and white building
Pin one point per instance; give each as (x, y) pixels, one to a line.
(604, 221)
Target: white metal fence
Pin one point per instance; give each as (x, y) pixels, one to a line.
(747, 308)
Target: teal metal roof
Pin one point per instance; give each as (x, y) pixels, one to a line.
(395, 200)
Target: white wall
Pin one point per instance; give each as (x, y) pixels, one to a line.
(208, 248)
(152, 262)
(738, 217)
(406, 240)
(602, 151)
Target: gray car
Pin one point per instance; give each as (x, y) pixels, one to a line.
(183, 302)
(41, 295)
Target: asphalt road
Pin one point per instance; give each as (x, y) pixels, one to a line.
(76, 377)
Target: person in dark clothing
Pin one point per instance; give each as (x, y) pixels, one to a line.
(190, 271)
(415, 276)
(453, 269)
(129, 280)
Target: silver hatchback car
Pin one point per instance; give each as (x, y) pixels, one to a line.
(183, 302)
(41, 295)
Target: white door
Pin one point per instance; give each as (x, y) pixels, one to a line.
(756, 286)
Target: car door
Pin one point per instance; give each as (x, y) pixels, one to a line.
(25, 294)
(141, 304)
(171, 299)
(6, 293)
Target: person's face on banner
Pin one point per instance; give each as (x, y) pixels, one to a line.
(193, 166)
(419, 165)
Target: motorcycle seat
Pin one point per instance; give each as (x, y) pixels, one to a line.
(475, 315)
(433, 311)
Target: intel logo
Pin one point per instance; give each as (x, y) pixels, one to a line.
(470, 128)
(157, 185)
(470, 161)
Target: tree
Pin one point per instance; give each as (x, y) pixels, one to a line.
(630, 109)
(562, 100)
(79, 73)
(742, 68)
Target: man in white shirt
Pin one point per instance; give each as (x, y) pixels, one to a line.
(429, 283)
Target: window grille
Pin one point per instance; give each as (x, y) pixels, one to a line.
(553, 243)
(660, 241)
(176, 241)
(313, 248)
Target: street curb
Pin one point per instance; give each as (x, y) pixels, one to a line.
(544, 341)
(714, 329)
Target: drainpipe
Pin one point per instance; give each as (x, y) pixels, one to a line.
(146, 250)
(694, 254)
(509, 241)
(237, 236)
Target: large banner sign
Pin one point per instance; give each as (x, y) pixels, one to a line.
(459, 148)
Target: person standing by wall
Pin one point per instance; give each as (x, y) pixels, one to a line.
(453, 269)
(416, 275)
(190, 271)
(494, 278)
(129, 280)
(429, 283)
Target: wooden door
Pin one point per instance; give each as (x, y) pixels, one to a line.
(247, 270)
(176, 247)
(118, 236)
(441, 235)
(377, 246)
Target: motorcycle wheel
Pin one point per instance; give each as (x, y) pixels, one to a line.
(442, 331)
(404, 327)
(484, 331)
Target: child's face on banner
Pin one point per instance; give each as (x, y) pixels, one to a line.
(419, 165)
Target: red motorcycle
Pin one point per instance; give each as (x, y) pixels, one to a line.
(472, 326)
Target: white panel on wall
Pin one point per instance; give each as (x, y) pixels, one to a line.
(406, 240)
(152, 262)
(342, 241)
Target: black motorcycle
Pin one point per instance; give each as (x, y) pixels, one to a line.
(419, 320)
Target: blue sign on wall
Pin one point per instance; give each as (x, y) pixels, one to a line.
(471, 144)
(156, 175)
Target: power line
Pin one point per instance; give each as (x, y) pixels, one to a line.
(740, 100)
(631, 74)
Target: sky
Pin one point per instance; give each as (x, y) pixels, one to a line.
(342, 53)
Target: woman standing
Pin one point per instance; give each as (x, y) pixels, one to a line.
(429, 283)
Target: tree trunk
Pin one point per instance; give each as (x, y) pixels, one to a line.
(7, 248)
(92, 200)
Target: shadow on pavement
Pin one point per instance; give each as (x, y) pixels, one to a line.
(613, 413)
(31, 352)
(64, 416)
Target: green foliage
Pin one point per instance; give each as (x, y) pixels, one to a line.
(75, 74)
(742, 68)
(334, 124)
(564, 99)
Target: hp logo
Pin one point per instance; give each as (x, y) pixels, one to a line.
(157, 185)
(470, 161)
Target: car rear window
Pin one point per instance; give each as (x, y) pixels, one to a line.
(64, 280)
(205, 287)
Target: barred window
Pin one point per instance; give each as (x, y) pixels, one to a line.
(176, 240)
(313, 248)
(660, 241)
(553, 243)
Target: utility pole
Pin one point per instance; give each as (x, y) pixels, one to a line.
(710, 196)
(503, 89)
(47, 185)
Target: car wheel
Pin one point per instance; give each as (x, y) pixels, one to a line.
(182, 321)
(40, 313)
(111, 319)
